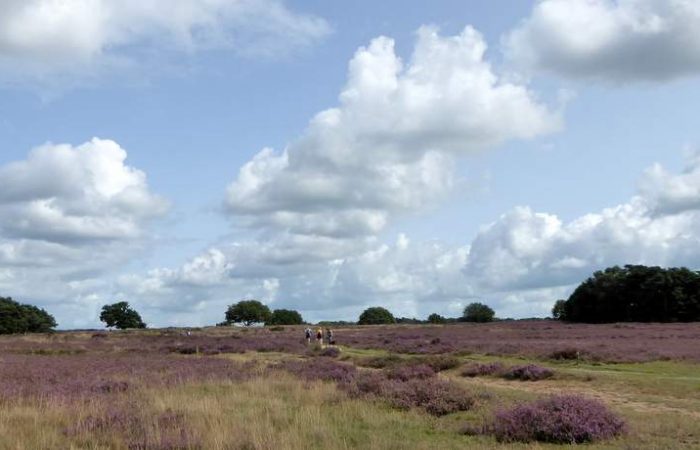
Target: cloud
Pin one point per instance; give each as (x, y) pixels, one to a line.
(68, 217)
(609, 40)
(62, 194)
(45, 39)
(519, 264)
(659, 226)
(389, 147)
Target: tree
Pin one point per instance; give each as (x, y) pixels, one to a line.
(436, 318)
(559, 310)
(478, 312)
(376, 316)
(285, 317)
(248, 312)
(636, 293)
(19, 318)
(120, 315)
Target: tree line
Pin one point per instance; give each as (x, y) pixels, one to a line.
(634, 293)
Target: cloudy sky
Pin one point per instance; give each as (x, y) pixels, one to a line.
(329, 156)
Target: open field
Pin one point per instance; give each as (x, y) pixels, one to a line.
(222, 388)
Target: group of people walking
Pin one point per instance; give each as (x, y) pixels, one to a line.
(308, 333)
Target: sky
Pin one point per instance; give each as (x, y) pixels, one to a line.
(331, 156)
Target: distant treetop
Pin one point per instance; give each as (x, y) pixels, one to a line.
(20, 318)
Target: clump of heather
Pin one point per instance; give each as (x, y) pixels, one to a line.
(319, 369)
(330, 352)
(481, 370)
(437, 397)
(440, 363)
(529, 372)
(410, 372)
(567, 354)
(381, 362)
(567, 419)
(165, 431)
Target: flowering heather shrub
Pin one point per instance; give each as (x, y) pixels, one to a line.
(437, 397)
(330, 352)
(410, 372)
(319, 369)
(380, 362)
(441, 363)
(481, 370)
(569, 353)
(166, 431)
(558, 419)
(528, 372)
(539, 339)
(82, 376)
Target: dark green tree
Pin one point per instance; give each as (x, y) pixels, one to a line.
(19, 318)
(121, 316)
(376, 316)
(559, 310)
(478, 312)
(436, 318)
(636, 293)
(285, 317)
(248, 312)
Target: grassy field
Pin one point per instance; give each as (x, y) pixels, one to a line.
(152, 390)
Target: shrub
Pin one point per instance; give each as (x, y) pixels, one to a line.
(569, 353)
(480, 370)
(380, 362)
(441, 363)
(330, 352)
(410, 372)
(437, 397)
(528, 372)
(559, 419)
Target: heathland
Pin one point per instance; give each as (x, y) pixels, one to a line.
(632, 386)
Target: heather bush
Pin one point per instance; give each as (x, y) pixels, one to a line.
(319, 369)
(441, 363)
(381, 362)
(437, 397)
(529, 372)
(480, 370)
(558, 419)
(410, 372)
(569, 353)
(330, 352)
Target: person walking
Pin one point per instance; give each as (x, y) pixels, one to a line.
(329, 337)
(319, 337)
(307, 334)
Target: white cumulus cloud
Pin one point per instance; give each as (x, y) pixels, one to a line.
(611, 40)
(43, 39)
(389, 147)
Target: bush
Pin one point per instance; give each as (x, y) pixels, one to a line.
(559, 419)
(529, 372)
(376, 316)
(330, 352)
(437, 397)
(380, 362)
(441, 363)
(569, 353)
(410, 372)
(480, 370)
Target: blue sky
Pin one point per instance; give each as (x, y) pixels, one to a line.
(420, 156)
